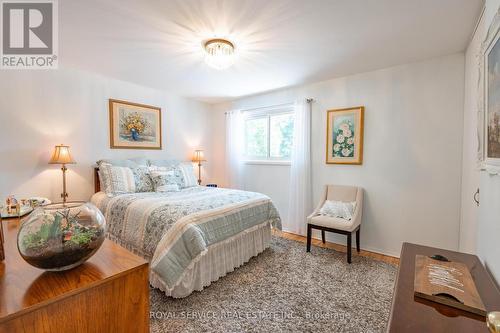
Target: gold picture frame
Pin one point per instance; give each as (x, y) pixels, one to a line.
(134, 125)
(491, 99)
(344, 135)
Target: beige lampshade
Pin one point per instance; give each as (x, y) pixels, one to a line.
(198, 156)
(61, 155)
(493, 321)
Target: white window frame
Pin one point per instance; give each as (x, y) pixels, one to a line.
(260, 113)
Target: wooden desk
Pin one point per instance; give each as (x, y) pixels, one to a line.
(412, 314)
(108, 293)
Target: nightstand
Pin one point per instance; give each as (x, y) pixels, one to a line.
(108, 293)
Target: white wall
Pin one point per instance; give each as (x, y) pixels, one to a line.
(470, 174)
(39, 109)
(479, 227)
(412, 151)
(488, 228)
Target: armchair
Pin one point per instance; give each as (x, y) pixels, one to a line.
(334, 224)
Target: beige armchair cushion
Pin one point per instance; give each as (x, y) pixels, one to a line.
(333, 222)
(339, 193)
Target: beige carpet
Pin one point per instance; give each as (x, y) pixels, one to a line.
(285, 289)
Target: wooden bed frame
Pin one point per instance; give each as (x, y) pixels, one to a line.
(97, 181)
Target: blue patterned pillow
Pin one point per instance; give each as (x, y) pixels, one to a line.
(165, 181)
(177, 177)
(143, 181)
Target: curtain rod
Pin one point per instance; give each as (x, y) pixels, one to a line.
(268, 107)
(308, 100)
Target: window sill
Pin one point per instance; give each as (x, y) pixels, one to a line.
(267, 162)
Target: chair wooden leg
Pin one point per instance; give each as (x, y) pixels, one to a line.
(309, 235)
(323, 236)
(349, 247)
(358, 248)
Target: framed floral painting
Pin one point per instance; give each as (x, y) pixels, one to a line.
(344, 136)
(134, 126)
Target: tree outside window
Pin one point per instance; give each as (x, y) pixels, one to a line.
(269, 136)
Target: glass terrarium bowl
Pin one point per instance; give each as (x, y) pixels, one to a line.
(60, 236)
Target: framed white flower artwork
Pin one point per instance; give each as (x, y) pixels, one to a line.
(344, 138)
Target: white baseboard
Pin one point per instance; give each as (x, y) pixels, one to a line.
(369, 248)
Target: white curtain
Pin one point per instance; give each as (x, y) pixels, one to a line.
(300, 202)
(234, 148)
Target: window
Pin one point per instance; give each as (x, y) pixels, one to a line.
(269, 134)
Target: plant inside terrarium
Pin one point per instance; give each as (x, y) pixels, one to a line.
(62, 239)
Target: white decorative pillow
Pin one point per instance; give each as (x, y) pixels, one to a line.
(116, 180)
(344, 210)
(183, 173)
(187, 171)
(165, 181)
(153, 168)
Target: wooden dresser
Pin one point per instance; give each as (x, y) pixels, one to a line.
(108, 293)
(413, 314)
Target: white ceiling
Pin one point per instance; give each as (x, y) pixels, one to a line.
(279, 43)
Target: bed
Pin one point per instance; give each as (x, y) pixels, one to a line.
(192, 237)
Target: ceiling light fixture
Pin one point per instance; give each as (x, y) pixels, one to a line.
(219, 53)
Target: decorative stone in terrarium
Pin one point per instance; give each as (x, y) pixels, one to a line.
(58, 237)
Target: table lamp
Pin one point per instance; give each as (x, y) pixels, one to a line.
(62, 156)
(198, 158)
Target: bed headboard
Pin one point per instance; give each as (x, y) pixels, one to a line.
(97, 182)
